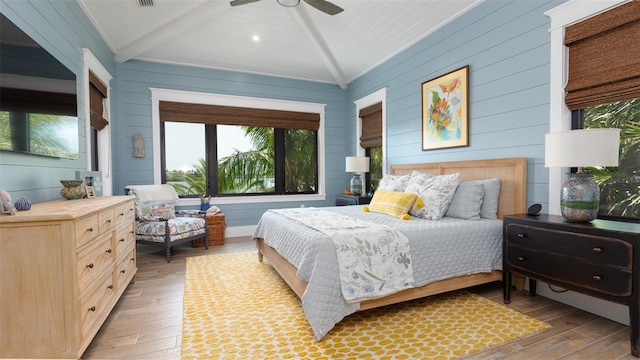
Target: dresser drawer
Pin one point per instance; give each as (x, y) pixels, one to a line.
(567, 270)
(590, 248)
(94, 260)
(96, 301)
(125, 268)
(125, 238)
(106, 221)
(86, 230)
(124, 213)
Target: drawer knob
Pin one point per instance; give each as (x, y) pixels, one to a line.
(121, 240)
(597, 250)
(521, 235)
(108, 251)
(132, 259)
(121, 214)
(123, 271)
(90, 266)
(521, 258)
(93, 308)
(597, 277)
(110, 287)
(90, 229)
(108, 221)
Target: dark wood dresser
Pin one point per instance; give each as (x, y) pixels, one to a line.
(601, 259)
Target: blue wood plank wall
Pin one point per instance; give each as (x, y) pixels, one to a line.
(506, 45)
(62, 29)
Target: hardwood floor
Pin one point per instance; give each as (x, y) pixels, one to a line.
(147, 321)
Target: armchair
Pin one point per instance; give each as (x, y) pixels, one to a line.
(157, 222)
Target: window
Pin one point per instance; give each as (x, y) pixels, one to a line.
(619, 186)
(371, 141)
(223, 151)
(97, 120)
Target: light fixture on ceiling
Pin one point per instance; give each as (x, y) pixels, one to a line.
(289, 3)
(255, 38)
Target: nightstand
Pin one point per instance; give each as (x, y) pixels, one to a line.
(346, 200)
(600, 259)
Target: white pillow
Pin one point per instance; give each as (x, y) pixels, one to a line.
(436, 193)
(467, 201)
(394, 182)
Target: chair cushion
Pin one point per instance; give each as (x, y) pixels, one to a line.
(179, 228)
(154, 201)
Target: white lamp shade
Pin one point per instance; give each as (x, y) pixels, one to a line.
(357, 164)
(581, 148)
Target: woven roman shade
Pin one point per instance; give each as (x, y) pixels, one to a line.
(371, 126)
(604, 58)
(231, 115)
(97, 94)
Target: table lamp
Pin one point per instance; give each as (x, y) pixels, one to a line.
(356, 165)
(580, 196)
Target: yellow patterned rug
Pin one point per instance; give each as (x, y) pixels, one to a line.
(238, 308)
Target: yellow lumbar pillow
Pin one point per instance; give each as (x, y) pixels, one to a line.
(394, 203)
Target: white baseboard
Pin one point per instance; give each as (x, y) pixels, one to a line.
(237, 231)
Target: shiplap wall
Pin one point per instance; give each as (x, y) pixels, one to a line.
(506, 45)
(62, 29)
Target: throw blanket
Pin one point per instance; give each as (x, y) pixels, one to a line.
(373, 260)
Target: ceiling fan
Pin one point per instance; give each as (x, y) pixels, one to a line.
(322, 5)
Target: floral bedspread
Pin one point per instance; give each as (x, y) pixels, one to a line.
(374, 260)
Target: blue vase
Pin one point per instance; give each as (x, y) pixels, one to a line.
(22, 204)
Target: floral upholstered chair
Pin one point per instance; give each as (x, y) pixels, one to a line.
(158, 223)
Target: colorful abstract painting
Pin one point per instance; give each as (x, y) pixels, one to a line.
(445, 104)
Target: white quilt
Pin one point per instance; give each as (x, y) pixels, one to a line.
(440, 250)
(374, 260)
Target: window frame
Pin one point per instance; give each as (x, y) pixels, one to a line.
(562, 16)
(158, 95)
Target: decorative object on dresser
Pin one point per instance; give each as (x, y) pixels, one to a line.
(23, 204)
(600, 259)
(5, 203)
(356, 165)
(64, 266)
(346, 200)
(159, 224)
(580, 196)
(72, 189)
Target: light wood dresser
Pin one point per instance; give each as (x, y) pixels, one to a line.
(63, 266)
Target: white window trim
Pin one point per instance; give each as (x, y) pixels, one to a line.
(571, 12)
(372, 99)
(158, 95)
(90, 62)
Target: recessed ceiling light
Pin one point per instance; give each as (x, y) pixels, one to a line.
(255, 38)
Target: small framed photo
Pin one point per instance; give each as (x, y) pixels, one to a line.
(91, 192)
(6, 205)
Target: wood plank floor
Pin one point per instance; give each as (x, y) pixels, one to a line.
(147, 321)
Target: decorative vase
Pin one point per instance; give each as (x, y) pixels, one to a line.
(23, 204)
(72, 189)
(580, 198)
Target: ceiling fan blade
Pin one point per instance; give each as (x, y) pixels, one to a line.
(324, 6)
(241, 2)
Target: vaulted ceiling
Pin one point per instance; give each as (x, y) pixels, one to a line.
(298, 42)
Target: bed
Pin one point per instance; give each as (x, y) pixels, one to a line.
(313, 281)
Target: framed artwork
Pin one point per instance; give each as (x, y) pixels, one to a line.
(5, 203)
(445, 110)
(90, 190)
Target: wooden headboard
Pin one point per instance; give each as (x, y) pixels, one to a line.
(511, 171)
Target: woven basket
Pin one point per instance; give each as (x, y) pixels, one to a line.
(217, 226)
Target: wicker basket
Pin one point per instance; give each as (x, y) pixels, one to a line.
(217, 227)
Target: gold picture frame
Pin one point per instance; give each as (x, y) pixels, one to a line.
(5, 200)
(445, 110)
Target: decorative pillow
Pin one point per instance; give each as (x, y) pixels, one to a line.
(489, 209)
(436, 193)
(394, 182)
(152, 210)
(393, 203)
(163, 212)
(467, 201)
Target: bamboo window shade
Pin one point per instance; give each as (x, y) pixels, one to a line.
(604, 58)
(371, 126)
(231, 115)
(97, 94)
